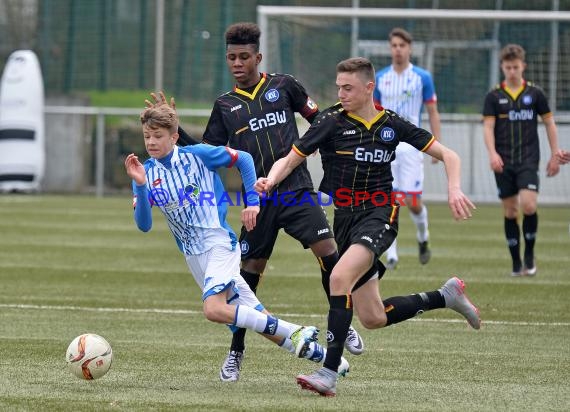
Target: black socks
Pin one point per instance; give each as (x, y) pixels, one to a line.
(327, 264)
(513, 233)
(340, 317)
(401, 308)
(529, 226)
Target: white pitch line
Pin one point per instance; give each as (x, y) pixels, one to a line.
(284, 315)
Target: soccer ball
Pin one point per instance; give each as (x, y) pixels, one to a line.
(89, 356)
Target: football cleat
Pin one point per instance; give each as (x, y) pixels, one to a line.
(391, 264)
(353, 342)
(302, 339)
(343, 368)
(231, 367)
(425, 252)
(322, 382)
(529, 266)
(453, 291)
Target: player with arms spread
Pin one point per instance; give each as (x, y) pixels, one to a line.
(357, 142)
(184, 185)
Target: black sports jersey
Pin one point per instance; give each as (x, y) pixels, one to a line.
(516, 122)
(261, 121)
(356, 154)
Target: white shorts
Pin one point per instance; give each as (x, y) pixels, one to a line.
(408, 169)
(217, 270)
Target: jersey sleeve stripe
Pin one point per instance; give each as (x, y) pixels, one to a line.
(546, 115)
(427, 146)
(233, 155)
(394, 214)
(296, 150)
(243, 129)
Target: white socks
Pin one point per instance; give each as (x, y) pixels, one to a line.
(392, 252)
(421, 221)
(250, 318)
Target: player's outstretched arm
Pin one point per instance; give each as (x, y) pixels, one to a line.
(159, 100)
(245, 165)
(280, 170)
(434, 123)
(184, 138)
(135, 169)
(459, 204)
(563, 156)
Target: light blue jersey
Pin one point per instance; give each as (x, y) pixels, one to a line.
(406, 92)
(190, 194)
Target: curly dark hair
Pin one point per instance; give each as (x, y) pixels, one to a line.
(243, 33)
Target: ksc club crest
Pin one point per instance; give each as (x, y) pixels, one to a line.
(527, 99)
(272, 95)
(387, 134)
(244, 247)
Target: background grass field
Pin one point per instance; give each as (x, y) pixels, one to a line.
(70, 265)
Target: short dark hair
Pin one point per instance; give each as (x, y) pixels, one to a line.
(243, 33)
(401, 33)
(512, 52)
(360, 65)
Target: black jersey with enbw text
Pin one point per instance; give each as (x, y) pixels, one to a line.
(516, 122)
(356, 154)
(261, 121)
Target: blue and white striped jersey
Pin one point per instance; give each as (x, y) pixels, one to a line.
(189, 192)
(405, 93)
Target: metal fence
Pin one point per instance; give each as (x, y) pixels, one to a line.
(463, 133)
(86, 45)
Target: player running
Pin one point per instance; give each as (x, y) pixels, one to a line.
(363, 229)
(184, 185)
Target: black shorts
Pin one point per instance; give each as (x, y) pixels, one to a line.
(515, 178)
(299, 213)
(375, 228)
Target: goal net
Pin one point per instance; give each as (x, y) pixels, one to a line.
(461, 50)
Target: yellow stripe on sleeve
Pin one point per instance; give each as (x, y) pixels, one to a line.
(294, 148)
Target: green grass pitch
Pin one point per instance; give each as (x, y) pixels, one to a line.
(70, 265)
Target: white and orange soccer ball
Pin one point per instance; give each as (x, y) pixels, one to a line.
(89, 356)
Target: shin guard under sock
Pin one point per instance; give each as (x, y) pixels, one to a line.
(401, 308)
(327, 264)
(340, 317)
(513, 233)
(529, 226)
